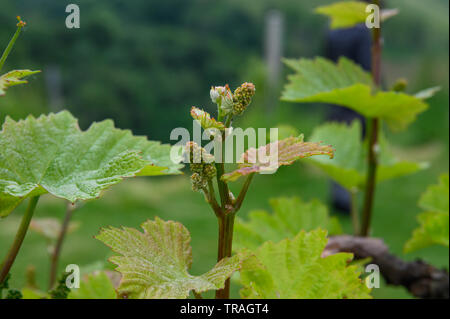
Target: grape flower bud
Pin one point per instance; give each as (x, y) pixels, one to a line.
(242, 97)
(222, 96)
(201, 165)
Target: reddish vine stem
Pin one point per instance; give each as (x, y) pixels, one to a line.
(229, 208)
(18, 240)
(210, 195)
(223, 187)
(224, 219)
(57, 251)
(243, 192)
(226, 224)
(374, 127)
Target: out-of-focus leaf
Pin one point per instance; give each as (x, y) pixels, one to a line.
(94, 286)
(427, 93)
(295, 269)
(290, 215)
(51, 227)
(347, 84)
(433, 230)
(436, 197)
(434, 224)
(267, 159)
(12, 78)
(32, 293)
(51, 154)
(205, 119)
(155, 264)
(346, 14)
(348, 168)
(285, 131)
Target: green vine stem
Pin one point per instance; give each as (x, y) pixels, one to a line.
(224, 191)
(18, 240)
(226, 212)
(59, 242)
(211, 199)
(11, 43)
(243, 192)
(226, 230)
(374, 126)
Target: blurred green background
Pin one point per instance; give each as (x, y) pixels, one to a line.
(144, 63)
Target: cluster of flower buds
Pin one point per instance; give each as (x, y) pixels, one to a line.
(201, 164)
(242, 97)
(222, 96)
(21, 23)
(232, 103)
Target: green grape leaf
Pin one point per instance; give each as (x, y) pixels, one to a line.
(205, 120)
(155, 264)
(436, 197)
(51, 154)
(267, 159)
(50, 228)
(95, 286)
(290, 215)
(348, 168)
(434, 224)
(346, 14)
(12, 78)
(295, 269)
(433, 229)
(347, 84)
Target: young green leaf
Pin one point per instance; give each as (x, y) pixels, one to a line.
(294, 269)
(346, 14)
(155, 264)
(290, 215)
(268, 158)
(434, 224)
(348, 168)
(436, 197)
(12, 78)
(51, 154)
(205, 120)
(433, 230)
(346, 84)
(94, 286)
